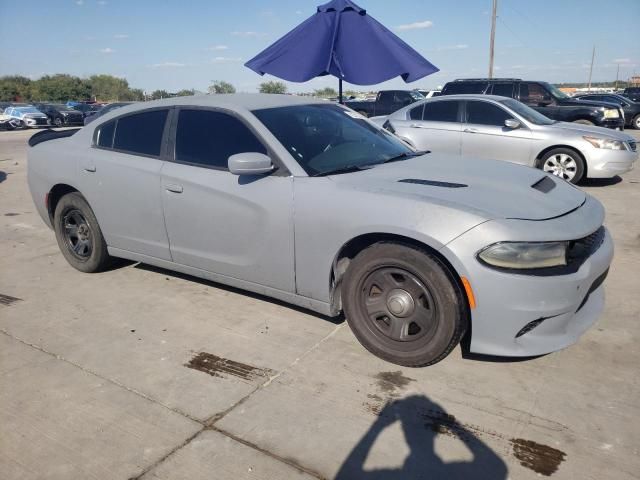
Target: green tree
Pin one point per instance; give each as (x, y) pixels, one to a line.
(220, 86)
(185, 93)
(108, 88)
(157, 94)
(60, 88)
(133, 95)
(14, 88)
(273, 87)
(325, 92)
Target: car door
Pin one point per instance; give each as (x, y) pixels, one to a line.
(120, 178)
(485, 135)
(236, 226)
(434, 126)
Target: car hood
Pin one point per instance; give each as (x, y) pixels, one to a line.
(588, 103)
(495, 189)
(570, 128)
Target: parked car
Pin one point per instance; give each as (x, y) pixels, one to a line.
(85, 108)
(630, 109)
(60, 115)
(93, 115)
(28, 116)
(488, 126)
(430, 93)
(7, 122)
(633, 93)
(543, 97)
(305, 201)
(386, 102)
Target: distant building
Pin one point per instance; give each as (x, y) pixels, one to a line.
(635, 80)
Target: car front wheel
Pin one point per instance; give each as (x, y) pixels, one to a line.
(563, 163)
(57, 121)
(402, 304)
(636, 122)
(78, 234)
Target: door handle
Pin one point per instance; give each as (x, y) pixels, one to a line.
(90, 168)
(416, 125)
(172, 187)
(470, 130)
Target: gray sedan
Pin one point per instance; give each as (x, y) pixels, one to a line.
(308, 202)
(486, 126)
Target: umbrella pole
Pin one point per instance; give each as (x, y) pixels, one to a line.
(340, 91)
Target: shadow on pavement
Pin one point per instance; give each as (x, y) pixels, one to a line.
(600, 182)
(422, 421)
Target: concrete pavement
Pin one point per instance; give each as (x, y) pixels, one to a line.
(142, 373)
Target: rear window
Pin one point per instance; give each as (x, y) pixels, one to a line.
(458, 88)
(416, 113)
(141, 133)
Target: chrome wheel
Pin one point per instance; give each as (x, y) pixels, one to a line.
(561, 165)
(77, 234)
(398, 305)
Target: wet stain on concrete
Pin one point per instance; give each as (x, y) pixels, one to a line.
(540, 458)
(8, 300)
(388, 382)
(220, 367)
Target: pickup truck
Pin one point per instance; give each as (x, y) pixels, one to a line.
(545, 98)
(386, 102)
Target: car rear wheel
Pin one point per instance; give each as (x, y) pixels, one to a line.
(584, 121)
(78, 234)
(563, 163)
(402, 304)
(636, 122)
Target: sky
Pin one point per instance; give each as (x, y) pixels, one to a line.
(173, 45)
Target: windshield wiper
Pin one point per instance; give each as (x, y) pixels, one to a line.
(406, 155)
(345, 169)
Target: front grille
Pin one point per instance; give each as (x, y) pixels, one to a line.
(580, 250)
(632, 146)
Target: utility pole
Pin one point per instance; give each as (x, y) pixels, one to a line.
(593, 56)
(617, 75)
(493, 36)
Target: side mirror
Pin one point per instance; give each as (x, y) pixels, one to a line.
(250, 163)
(512, 123)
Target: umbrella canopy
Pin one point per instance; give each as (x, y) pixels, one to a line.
(343, 41)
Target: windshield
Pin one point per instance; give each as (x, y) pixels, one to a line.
(324, 138)
(528, 113)
(28, 110)
(62, 108)
(556, 92)
(417, 95)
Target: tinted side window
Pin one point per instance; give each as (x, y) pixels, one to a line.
(503, 89)
(442, 111)
(104, 135)
(141, 132)
(416, 113)
(209, 138)
(483, 113)
(455, 88)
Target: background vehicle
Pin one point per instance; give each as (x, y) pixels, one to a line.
(60, 115)
(85, 108)
(543, 97)
(430, 93)
(632, 93)
(630, 109)
(487, 126)
(303, 201)
(28, 117)
(7, 122)
(94, 114)
(386, 102)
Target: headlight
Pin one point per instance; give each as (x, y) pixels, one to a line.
(605, 143)
(611, 113)
(525, 255)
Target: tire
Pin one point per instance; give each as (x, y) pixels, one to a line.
(584, 121)
(57, 122)
(78, 234)
(564, 163)
(403, 305)
(636, 122)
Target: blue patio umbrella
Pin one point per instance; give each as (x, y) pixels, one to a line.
(343, 41)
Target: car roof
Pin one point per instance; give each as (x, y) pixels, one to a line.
(467, 96)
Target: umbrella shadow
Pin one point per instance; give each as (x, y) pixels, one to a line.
(422, 421)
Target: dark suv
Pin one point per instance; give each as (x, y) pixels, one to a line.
(633, 93)
(544, 98)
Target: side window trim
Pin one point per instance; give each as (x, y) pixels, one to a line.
(128, 152)
(280, 169)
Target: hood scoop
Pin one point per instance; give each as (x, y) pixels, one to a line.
(544, 185)
(433, 183)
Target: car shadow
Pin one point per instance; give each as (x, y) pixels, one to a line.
(170, 273)
(600, 182)
(422, 420)
(3, 176)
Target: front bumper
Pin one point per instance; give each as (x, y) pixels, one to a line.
(605, 163)
(614, 123)
(565, 306)
(35, 122)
